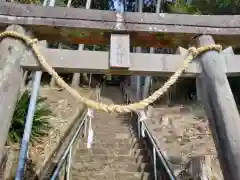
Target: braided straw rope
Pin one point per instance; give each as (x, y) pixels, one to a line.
(192, 53)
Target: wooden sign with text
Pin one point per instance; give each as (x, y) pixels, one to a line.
(119, 51)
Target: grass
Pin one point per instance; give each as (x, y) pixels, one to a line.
(40, 126)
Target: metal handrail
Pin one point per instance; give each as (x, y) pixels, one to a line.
(67, 153)
(156, 150)
(159, 153)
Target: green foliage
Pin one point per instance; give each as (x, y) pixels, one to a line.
(40, 126)
(95, 4)
(181, 7)
(60, 3)
(97, 47)
(28, 1)
(217, 6)
(210, 7)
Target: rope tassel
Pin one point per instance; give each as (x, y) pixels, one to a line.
(141, 117)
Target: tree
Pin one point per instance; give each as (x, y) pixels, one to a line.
(219, 7)
(181, 7)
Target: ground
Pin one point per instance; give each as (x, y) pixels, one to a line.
(182, 133)
(64, 108)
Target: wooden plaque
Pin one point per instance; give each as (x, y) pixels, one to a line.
(119, 51)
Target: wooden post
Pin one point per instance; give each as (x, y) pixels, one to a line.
(182, 51)
(12, 51)
(221, 109)
(138, 50)
(147, 79)
(138, 79)
(53, 81)
(77, 76)
(24, 79)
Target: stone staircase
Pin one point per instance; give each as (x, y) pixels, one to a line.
(116, 153)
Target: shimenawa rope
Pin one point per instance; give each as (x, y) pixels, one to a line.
(192, 53)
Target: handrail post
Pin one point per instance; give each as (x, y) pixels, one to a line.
(220, 107)
(68, 165)
(145, 132)
(155, 163)
(28, 124)
(68, 149)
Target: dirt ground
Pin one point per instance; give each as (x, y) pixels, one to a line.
(64, 110)
(182, 133)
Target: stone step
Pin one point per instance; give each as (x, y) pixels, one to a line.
(119, 122)
(110, 118)
(109, 126)
(112, 129)
(107, 121)
(116, 139)
(98, 150)
(119, 158)
(109, 175)
(115, 135)
(113, 144)
(119, 151)
(114, 164)
(139, 152)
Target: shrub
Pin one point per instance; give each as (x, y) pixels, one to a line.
(40, 126)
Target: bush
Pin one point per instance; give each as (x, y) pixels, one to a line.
(40, 126)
